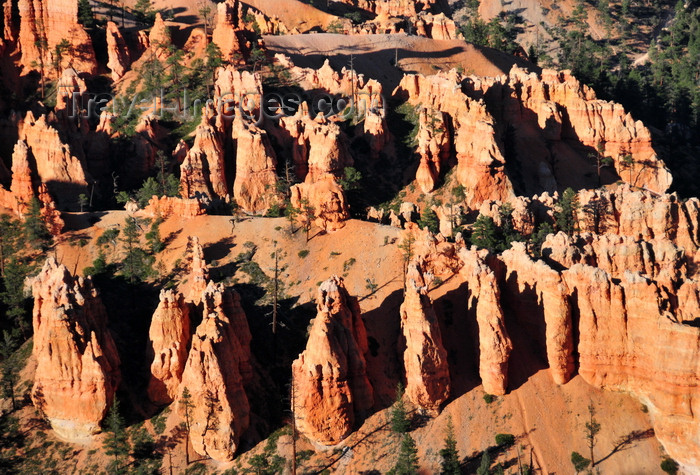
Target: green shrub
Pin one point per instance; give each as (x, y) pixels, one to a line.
(303, 253)
(489, 398)
(504, 440)
(669, 466)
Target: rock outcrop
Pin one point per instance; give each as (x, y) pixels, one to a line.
(225, 30)
(22, 189)
(485, 304)
(159, 38)
(56, 163)
(202, 173)
(119, 58)
(425, 358)
(44, 22)
(198, 270)
(433, 147)
(226, 302)
(21, 193)
(629, 342)
(540, 296)
(77, 369)
(552, 114)
(438, 27)
(169, 337)
(320, 152)
(480, 159)
(217, 405)
(255, 185)
(165, 206)
(330, 380)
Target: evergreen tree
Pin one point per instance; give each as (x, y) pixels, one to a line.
(16, 271)
(61, 47)
(457, 195)
(565, 214)
(137, 263)
(10, 234)
(485, 233)
(152, 72)
(9, 379)
(214, 60)
(407, 248)
(186, 401)
(538, 238)
(85, 14)
(399, 420)
(407, 464)
(82, 201)
(507, 229)
(428, 219)
(116, 444)
(175, 74)
(591, 431)
(449, 454)
(308, 213)
(485, 464)
(351, 179)
(153, 237)
(143, 9)
(35, 229)
(291, 213)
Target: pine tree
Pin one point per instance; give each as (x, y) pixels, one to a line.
(82, 201)
(428, 219)
(565, 213)
(175, 73)
(485, 233)
(485, 464)
(591, 431)
(10, 233)
(291, 213)
(308, 214)
(35, 229)
(351, 179)
(457, 195)
(407, 248)
(144, 11)
(450, 456)
(85, 14)
(407, 464)
(507, 229)
(137, 263)
(186, 402)
(16, 271)
(153, 237)
(537, 239)
(63, 46)
(116, 443)
(213, 62)
(9, 379)
(400, 422)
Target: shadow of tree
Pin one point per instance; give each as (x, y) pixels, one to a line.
(627, 442)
